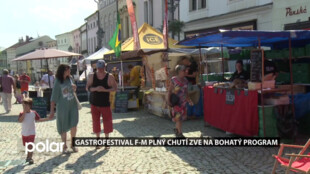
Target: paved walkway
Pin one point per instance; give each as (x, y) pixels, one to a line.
(166, 160)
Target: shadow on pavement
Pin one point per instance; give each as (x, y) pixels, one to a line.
(8, 118)
(45, 167)
(145, 124)
(86, 105)
(87, 161)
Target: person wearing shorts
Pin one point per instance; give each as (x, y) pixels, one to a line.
(28, 118)
(100, 84)
(24, 84)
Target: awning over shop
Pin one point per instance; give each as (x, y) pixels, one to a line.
(250, 38)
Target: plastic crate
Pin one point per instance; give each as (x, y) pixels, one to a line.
(270, 122)
(235, 56)
(301, 78)
(298, 52)
(285, 53)
(212, 77)
(301, 68)
(283, 78)
(307, 50)
(245, 54)
(269, 54)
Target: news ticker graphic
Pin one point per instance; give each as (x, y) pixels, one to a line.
(85, 141)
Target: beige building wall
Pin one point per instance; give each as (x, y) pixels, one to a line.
(64, 41)
(92, 28)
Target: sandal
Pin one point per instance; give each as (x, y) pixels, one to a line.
(107, 147)
(175, 131)
(65, 149)
(74, 149)
(177, 134)
(98, 147)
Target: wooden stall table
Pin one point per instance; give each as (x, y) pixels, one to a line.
(240, 116)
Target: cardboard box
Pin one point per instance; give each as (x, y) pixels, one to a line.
(257, 85)
(298, 89)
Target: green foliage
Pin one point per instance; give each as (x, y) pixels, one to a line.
(176, 26)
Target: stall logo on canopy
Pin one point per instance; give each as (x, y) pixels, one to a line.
(152, 39)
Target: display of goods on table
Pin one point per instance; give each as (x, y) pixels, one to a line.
(257, 85)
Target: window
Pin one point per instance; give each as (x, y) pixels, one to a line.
(151, 12)
(95, 44)
(202, 4)
(192, 5)
(146, 12)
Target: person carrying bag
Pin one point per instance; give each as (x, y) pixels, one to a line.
(76, 98)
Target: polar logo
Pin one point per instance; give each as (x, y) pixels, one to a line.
(44, 147)
(152, 39)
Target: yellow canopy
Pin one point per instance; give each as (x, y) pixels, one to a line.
(150, 39)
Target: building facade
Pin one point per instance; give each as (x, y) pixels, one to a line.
(23, 47)
(52, 44)
(107, 18)
(3, 60)
(65, 43)
(76, 40)
(204, 16)
(126, 30)
(83, 37)
(291, 15)
(92, 28)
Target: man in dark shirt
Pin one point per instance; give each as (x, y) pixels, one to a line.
(240, 73)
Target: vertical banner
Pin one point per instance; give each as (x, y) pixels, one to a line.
(131, 12)
(165, 29)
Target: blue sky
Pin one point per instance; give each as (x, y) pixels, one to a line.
(41, 17)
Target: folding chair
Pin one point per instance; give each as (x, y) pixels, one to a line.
(296, 162)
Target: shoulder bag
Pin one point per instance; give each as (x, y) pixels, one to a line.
(76, 98)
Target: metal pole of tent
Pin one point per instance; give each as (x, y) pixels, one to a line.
(47, 65)
(291, 74)
(262, 81)
(200, 62)
(222, 60)
(122, 72)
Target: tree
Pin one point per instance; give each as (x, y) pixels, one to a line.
(175, 27)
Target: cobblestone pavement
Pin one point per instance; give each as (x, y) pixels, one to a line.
(166, 160)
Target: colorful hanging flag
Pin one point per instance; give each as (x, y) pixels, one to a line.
(165, 28)
(134, 27)
(115, 42)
